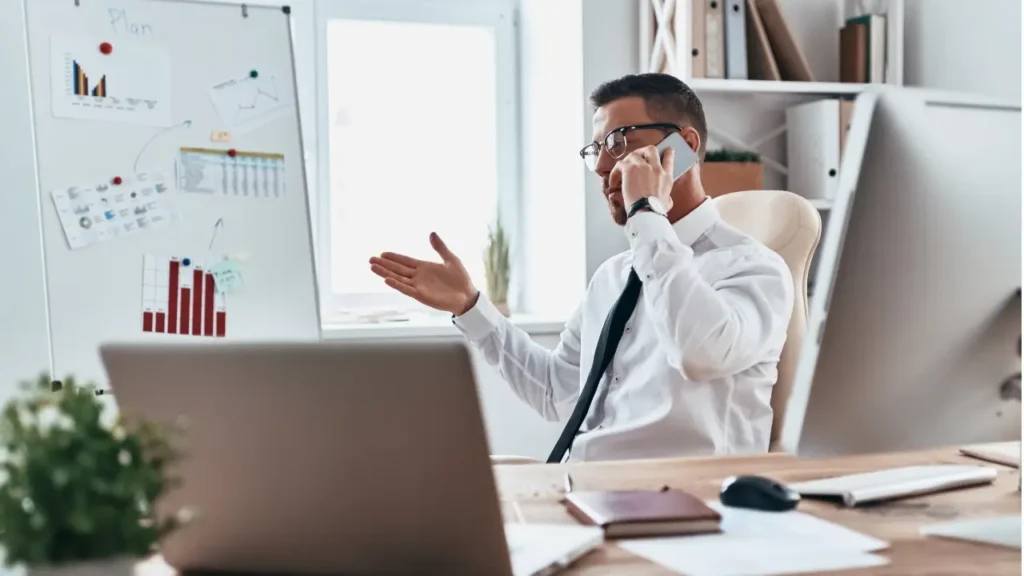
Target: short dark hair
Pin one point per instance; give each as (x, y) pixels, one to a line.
(667, 98)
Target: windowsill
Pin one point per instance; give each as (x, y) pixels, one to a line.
(433, 327)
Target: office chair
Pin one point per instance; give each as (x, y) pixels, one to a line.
(788, 224)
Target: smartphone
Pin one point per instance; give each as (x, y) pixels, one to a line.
(685, 158)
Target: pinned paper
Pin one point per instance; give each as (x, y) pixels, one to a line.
(90, 80)
(91, 214)
(220, 136)
(178, 297)
(227, 275)
(231, 172)
(249, 102)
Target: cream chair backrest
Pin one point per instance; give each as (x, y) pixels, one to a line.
(791, 226)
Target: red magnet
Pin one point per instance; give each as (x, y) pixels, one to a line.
(232, 152)
(117, 180)
(106, 48)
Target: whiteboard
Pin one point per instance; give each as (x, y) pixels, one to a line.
(168, 131)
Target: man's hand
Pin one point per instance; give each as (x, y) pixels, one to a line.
(644, 174)
(442, 286)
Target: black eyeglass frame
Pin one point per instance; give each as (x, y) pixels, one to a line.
(596, 146)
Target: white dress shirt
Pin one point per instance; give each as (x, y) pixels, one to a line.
(694, 371)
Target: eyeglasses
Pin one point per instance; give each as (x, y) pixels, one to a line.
(615, 142)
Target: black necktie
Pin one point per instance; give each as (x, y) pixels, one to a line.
(606, 345)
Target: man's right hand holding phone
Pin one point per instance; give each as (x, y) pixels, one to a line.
(443, 286)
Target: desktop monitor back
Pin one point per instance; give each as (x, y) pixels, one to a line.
(915, 319)
(322, 458)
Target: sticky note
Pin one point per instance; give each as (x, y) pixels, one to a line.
(220, 136)
(227, 276)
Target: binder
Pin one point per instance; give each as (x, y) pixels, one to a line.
(812, 147)
(735, 39)
(760, 60)
(714, 39)
(792, 63)
(853, 54)
(698, 64)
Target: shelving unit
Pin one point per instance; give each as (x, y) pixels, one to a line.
(751, 114)
(720, 86)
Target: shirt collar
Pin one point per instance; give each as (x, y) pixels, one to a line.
(692, 226)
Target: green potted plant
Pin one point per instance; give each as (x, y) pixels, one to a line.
(725, 171)
(496, 266)
(77, 489)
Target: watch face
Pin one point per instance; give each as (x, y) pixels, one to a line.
(656, 205)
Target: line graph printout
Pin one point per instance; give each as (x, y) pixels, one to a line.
(130, 84)
(211, 171)
(179, 297)
(245, 104)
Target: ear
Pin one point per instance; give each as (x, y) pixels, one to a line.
(691, 137)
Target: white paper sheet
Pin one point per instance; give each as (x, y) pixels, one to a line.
(754, 543)
(212, 171)
(130, 84)
(739, 522)
(737, 556)
(1000, 531)
(96, 213)
(546, 548)
(247, 103)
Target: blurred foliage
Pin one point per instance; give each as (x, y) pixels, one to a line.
(731, 156)
(75, 489)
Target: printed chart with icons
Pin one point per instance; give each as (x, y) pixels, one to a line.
(93, 79)
(97, 213)
(231, 172)
(179, 296)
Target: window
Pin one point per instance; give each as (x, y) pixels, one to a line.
(418, 132)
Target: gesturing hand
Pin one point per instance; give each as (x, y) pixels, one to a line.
(644, 173)
(442, 286)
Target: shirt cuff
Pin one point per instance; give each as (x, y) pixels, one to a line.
(480, 320)
(645, 228)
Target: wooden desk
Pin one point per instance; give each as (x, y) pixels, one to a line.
(537, 488)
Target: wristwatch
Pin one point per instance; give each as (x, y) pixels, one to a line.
(651, 202)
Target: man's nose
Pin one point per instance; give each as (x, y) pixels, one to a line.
(605, 163)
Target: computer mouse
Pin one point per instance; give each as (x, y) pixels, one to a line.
(758, 493)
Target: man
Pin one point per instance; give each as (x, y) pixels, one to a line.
(691, 339)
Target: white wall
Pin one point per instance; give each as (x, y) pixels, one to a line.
(964, 45)
(24, 347)
(611, 41)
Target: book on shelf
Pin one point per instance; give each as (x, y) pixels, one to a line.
(863, 49)
(744, 39)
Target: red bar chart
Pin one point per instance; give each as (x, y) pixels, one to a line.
(179, 297)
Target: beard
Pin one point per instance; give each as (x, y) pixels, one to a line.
(615, 204)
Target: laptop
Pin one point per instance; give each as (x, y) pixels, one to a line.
(331, 458)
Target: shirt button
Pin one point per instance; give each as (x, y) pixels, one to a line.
(633, 234)
(616, 378)
(648, 276)
(628, 328)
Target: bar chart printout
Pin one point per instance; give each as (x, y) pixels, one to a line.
(179, 297)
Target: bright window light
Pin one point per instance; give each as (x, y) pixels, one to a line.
(412, 148)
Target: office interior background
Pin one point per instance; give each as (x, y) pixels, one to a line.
(445, 115)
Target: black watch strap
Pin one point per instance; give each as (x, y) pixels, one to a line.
(637, 206)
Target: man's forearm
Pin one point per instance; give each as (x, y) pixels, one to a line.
(540, 377)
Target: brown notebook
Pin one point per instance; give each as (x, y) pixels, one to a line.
(627, 513)
(853, 53)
